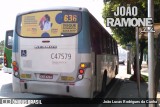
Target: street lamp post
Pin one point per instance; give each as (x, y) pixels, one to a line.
(137, 61)
(151, 84)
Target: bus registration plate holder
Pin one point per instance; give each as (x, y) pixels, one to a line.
(46, 76)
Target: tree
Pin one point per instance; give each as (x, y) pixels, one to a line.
(2, 43)
(1, 47)
(126, 35)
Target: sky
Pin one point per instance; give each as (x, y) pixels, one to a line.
(10, 8)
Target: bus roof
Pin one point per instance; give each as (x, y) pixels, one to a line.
(57, 8)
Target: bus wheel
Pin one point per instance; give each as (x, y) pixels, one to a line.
(104, 82)
(116, 72)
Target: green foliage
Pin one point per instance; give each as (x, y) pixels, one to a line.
(144, 78)
(1, 47)
(127, 34)
(2, 43)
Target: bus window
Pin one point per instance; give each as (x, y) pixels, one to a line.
(104, 44)
(95, 37)
(49, 24)
(8, 41)
(109, 45)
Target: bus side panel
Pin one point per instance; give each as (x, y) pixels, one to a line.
(105, 62)
(16, 87)
(84, 49)
(84, 45)
(110, 67)
(99, 74)
(8, 53)
(15, 81)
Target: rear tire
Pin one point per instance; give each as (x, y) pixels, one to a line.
(116, 71)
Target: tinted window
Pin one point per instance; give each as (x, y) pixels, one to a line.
(8, 41)
(49, 24)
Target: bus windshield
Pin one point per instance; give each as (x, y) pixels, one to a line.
(46, 24)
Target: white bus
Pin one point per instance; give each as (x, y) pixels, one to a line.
(62, 51)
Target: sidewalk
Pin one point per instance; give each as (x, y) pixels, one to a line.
(129, 88)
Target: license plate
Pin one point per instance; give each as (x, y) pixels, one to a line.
(25, 75)
(46, 76)
(67, 78)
